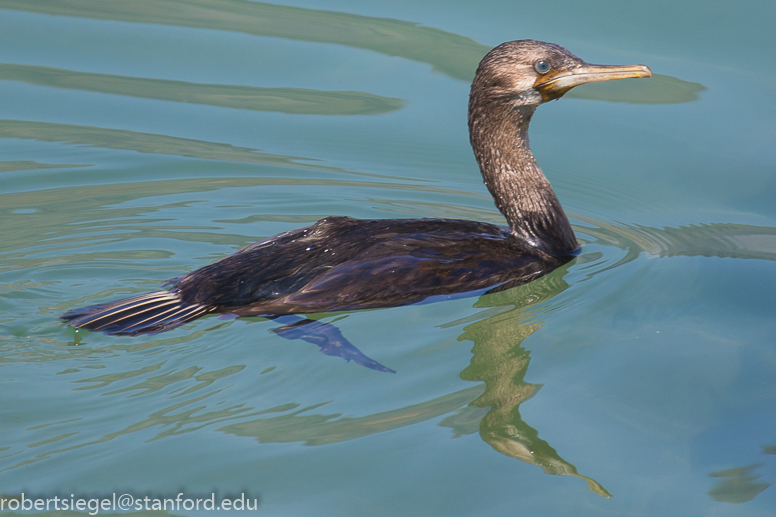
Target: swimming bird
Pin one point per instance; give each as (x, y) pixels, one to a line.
(344, 264)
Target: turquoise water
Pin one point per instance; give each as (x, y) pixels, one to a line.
(141, 140)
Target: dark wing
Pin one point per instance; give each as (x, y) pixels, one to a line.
(346, 264)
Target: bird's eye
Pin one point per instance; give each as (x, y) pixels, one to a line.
(542, 66)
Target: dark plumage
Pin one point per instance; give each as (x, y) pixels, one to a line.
(341, 263)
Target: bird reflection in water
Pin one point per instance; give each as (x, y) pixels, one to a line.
(498, 360)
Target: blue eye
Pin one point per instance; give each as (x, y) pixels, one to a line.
(542, 66)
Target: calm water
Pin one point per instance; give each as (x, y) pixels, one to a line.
(141, 140)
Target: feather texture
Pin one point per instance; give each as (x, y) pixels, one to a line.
(144, 314)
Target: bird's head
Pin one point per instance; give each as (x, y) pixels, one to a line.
(528, 73)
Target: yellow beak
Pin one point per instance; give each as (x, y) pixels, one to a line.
(554, 84)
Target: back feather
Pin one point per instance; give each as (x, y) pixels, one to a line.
(143, 314)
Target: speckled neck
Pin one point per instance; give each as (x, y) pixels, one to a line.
(498, 131)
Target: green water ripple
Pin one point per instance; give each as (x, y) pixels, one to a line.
(448, 53)
(297, 101)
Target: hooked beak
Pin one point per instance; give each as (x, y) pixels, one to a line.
(555, 83)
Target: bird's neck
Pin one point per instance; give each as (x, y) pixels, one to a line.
(499, 137)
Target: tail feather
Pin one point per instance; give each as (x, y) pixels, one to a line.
(143, 314)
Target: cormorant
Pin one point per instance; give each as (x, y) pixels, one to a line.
(343, 264)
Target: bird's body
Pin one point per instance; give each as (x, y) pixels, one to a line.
(342, 264)
(370, 264)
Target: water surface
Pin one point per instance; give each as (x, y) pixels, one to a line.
(141, 140)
